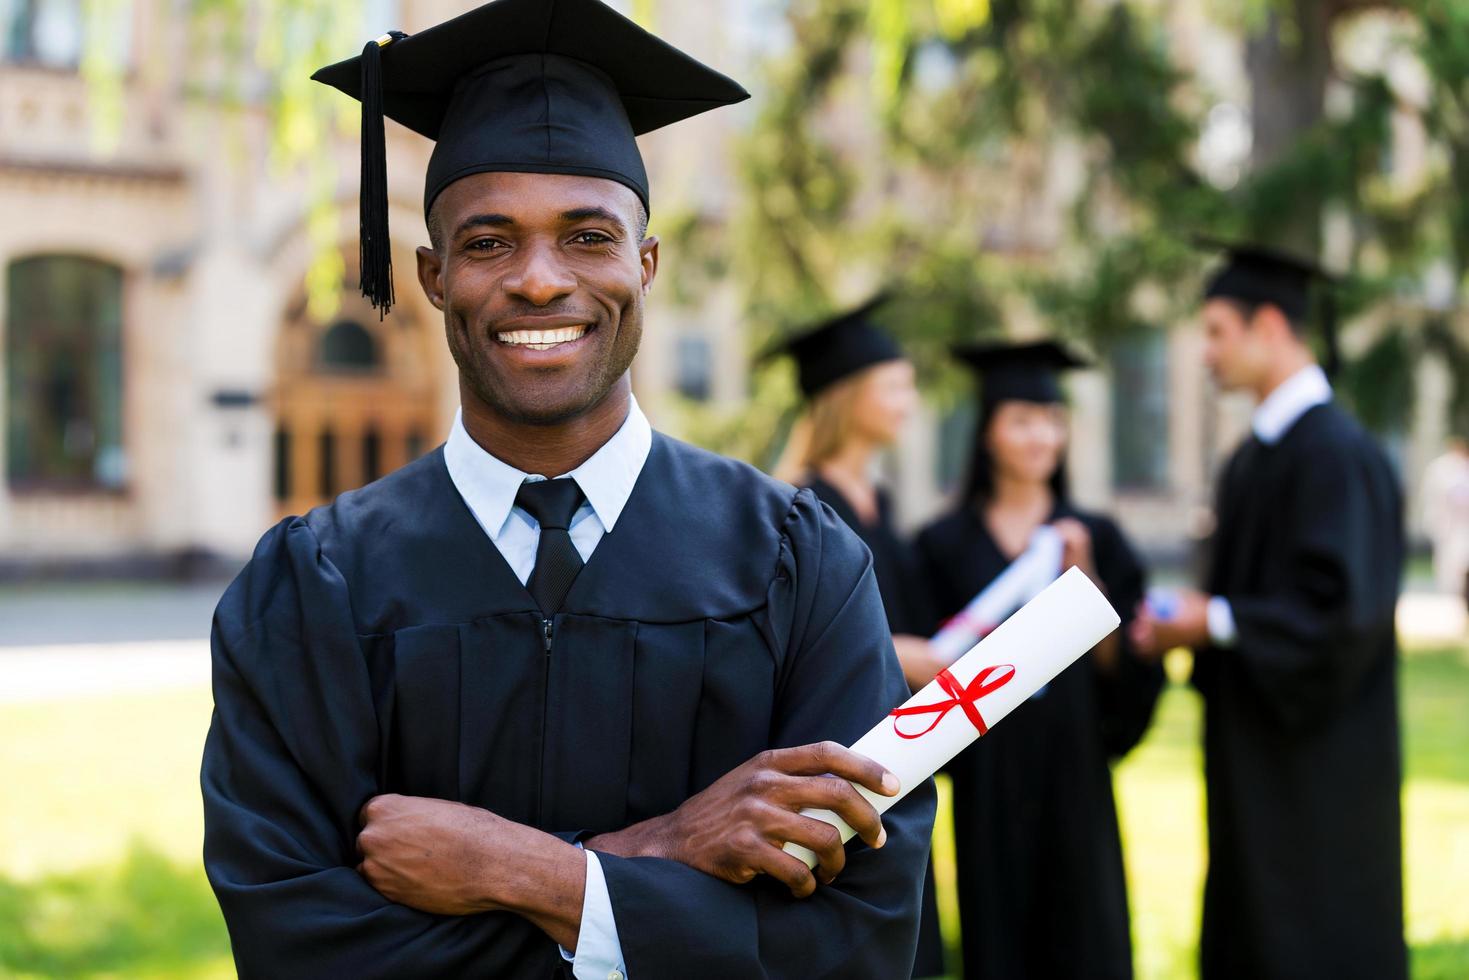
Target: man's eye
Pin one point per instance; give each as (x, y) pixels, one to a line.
(484, 245)
(591, 238)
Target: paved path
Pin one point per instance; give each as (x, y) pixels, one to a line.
(101, 640)
(1432, 617)
(106, 613)
(100, 670)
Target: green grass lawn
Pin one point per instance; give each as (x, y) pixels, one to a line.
(1161, 803)
(100, 830)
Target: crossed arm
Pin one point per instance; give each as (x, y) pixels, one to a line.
(452, 859)
(295, 749)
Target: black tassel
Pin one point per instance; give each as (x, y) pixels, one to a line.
(375, 258)
(1328, 332)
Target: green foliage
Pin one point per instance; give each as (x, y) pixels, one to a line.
(1440, 341)
(146, 916)
(1379, 384)
(908, 180)
(244, 56)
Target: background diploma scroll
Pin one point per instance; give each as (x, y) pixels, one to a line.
(1043, 638)
(1023, 579)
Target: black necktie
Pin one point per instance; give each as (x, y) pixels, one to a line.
(552, 503)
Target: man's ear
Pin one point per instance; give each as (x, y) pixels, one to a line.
(648, 256)
(431, 275)
(1270, 319)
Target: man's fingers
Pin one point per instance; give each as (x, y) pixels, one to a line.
(789, 871)
(374, 807)
(838, 796)
(819, 758)
(818, 836)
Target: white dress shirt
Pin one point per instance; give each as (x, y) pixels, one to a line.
(488, 486)
(1273, 418)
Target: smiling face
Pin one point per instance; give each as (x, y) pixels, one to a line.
(541, 278)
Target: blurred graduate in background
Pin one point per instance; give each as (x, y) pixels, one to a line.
(1040, 876)
(859, 392)
(1446, 516)
(1295, 653)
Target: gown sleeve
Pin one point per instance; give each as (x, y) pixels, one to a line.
(291, 756)
(1306, 644)
(838, 677)
(1127, 695)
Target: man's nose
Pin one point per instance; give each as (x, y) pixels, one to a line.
(542, 276)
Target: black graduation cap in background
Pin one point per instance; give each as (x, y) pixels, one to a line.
(838, 347)
(1019, 372)
(1256, 275)
(530, 86)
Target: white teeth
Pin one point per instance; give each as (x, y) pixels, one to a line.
(541, 339)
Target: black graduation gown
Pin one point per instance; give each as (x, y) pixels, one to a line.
(382, 644)
(905, 596)
(906, 600)
(1301, 729)
(1042, 891)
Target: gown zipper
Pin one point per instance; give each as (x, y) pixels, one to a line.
(548, 633)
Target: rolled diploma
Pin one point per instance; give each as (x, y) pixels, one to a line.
(1022, 579)
(1043, 638)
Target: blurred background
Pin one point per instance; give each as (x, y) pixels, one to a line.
(186, 359)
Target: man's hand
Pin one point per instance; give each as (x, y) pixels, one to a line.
(1188, 626)
(920, 663)
(736, 828)
(453, 859)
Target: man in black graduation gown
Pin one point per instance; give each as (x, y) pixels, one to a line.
(1295, 655)
(470, 721)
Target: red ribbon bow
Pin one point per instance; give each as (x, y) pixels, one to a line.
(959, 697)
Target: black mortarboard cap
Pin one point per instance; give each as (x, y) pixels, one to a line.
(1019, 372)
(1257, 275)
(530, 86)
(838, 347)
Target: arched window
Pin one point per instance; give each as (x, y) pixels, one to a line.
(63, 372)
(347, 346)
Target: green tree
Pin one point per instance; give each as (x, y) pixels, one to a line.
(962, 115)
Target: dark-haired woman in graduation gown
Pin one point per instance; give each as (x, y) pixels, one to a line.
(859, 391)
(1042, 891)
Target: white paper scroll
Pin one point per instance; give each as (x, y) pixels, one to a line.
(1023, 579)
(1043, 638)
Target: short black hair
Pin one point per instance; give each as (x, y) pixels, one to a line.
(1248, 309)
(436, 225)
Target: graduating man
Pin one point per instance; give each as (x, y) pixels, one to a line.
(471, 721)
(1296, 656)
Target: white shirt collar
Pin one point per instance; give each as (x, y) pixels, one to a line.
(489, 484)
(1292, 398)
